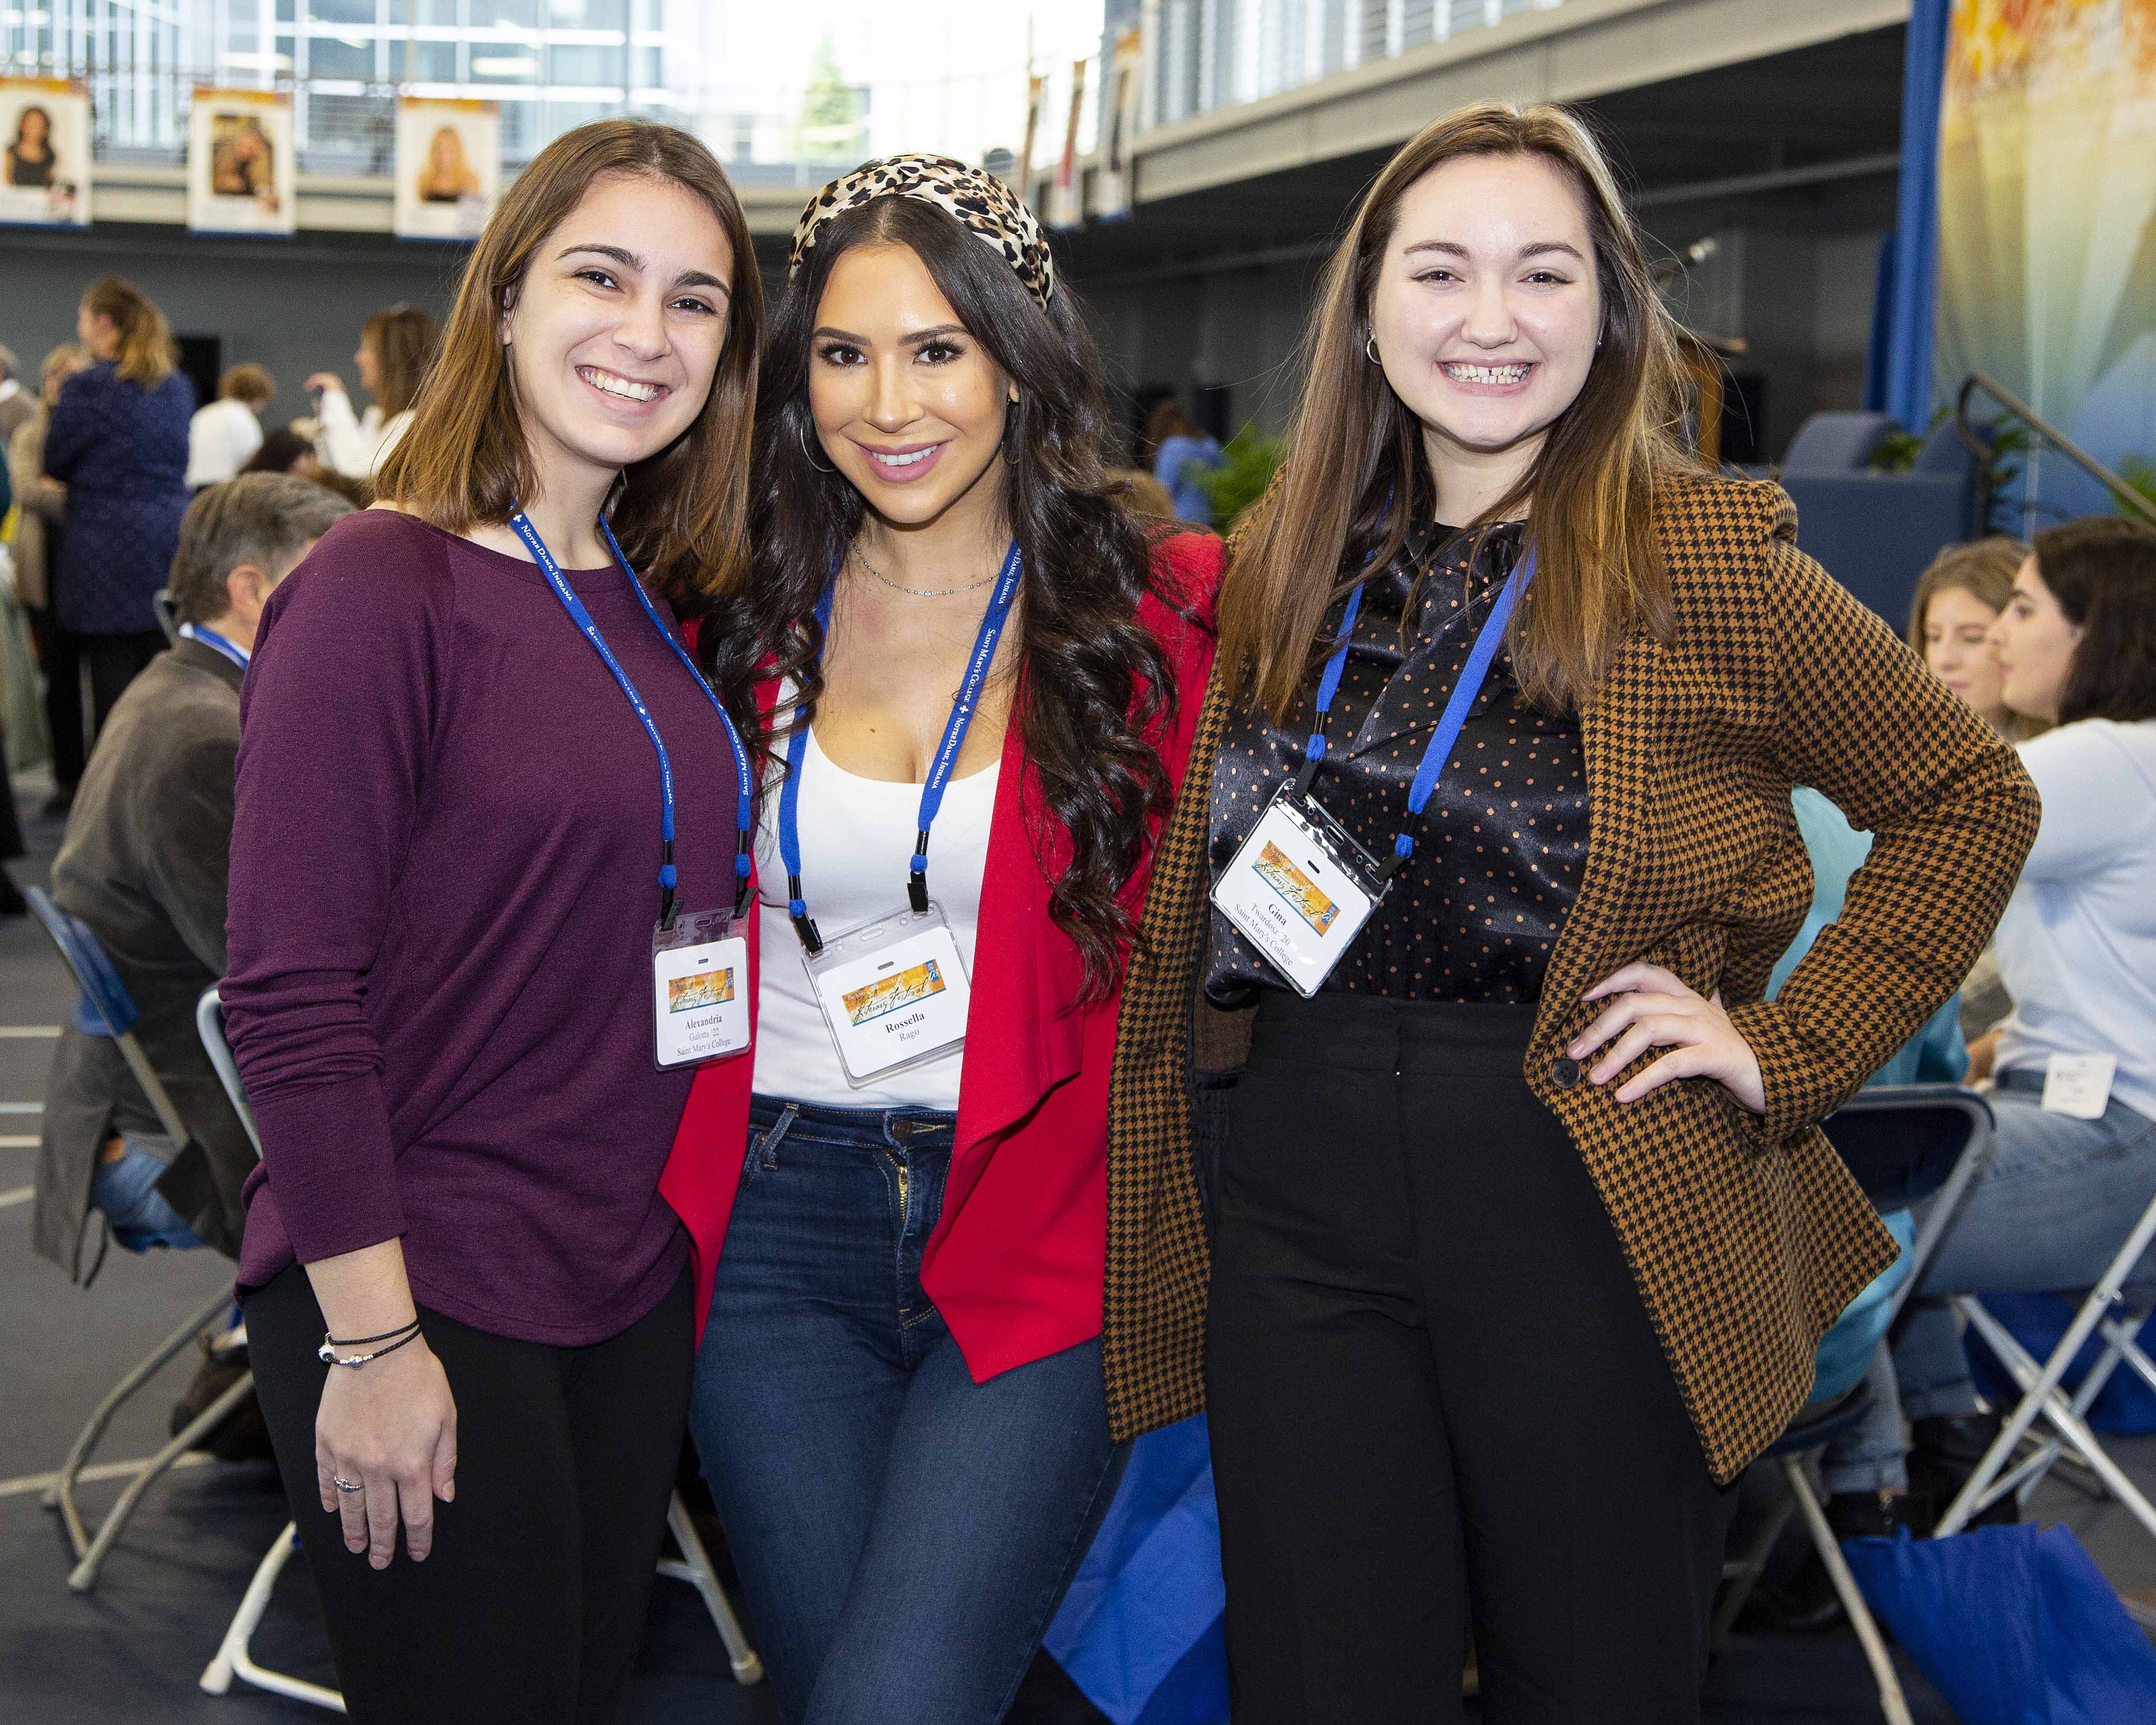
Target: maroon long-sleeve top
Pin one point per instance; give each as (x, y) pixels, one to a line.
(443, 890)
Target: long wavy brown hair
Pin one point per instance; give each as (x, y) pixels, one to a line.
(681, 515)
(1094, 682)
(1356, 483)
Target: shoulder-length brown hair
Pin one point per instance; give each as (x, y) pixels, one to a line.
(2101, 569)
(680, 515)
(1983, 569)
(1356, 479)
(403, 339)
(147, 355)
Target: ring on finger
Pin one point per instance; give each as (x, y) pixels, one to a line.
(346, 1485)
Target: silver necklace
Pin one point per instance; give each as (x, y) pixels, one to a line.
(919, 592)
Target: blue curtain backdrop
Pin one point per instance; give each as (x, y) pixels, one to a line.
(1898, 376)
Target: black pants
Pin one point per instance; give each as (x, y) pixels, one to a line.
(529, 1608)
(1438, 1406)
(59, 658)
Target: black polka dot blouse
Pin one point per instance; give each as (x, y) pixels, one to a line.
(1501, 846)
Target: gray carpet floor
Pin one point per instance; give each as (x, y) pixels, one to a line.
(134, 1649)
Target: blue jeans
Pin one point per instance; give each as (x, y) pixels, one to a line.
(126, 1191)
(2051, 1210)
(903, 1534)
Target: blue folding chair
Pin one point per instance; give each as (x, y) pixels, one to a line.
(1904, 1143)
(105, 1008)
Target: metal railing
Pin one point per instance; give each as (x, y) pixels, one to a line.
(2136, 503)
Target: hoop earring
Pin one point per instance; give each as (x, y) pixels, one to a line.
(1370, 348)
(808, 450)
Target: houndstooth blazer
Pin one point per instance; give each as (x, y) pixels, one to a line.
(1746, 1236)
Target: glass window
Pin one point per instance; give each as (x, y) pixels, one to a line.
(504, 62)
(429, 63)
(342, 12)
(584, 65)
(487, 13)
(329, 57)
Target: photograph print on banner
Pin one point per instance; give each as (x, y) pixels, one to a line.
(243, 175)
(449, 167)
(44, 151)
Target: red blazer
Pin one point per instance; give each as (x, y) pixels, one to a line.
(1017, 1262)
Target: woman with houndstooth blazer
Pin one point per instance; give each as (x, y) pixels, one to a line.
(1523, 1229)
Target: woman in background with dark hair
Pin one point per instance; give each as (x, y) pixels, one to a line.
(2074, 1168)
(118, 441)
(31, 162)
(1182, 456)
(899, 1397)
(395, 348)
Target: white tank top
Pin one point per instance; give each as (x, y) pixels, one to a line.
(856, 834)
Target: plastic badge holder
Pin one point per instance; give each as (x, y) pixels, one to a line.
(1300, 889)
(894, 993)
(700, 990)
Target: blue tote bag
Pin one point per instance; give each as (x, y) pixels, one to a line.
(2012, 1626)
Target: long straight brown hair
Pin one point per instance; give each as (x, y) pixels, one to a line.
(1356, 479)
(681, 515)
(403, 339)
(146, 354)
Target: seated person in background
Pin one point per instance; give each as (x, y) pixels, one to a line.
(224, 436)
(144, 864)
(1958, 600)
(1182, 457)
(2077, 953)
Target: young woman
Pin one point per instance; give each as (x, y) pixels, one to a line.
(118, 441)
(395, 348)
(487, 808)
(31, 163)
(1524, 1231)
(983, 678)
(1958, 598)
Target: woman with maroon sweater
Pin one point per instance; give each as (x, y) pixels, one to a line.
(455, 908)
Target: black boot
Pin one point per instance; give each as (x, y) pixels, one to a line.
(1807, 1603)
(1943, 1451)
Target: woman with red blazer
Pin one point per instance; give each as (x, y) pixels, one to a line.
(980, 681)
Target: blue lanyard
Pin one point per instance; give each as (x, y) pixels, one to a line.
(215, 642)
(745, 781)
(939, 769)
(1449, 724)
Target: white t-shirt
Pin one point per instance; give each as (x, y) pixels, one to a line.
(355, 447)
(222, 439)
(856, 834)
(2077, 944)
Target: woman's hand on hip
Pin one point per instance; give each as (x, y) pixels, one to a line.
(1652, 1008)
(391, 1426)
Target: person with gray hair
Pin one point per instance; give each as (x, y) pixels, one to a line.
(144, 864)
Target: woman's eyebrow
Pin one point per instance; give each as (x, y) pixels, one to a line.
(1452, 248)
(629, 261)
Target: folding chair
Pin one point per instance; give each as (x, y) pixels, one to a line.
(1903, 1143)
(105, 1008)
(234, 1659)
(2041, 1397)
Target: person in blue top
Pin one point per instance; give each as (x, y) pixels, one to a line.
(1183, 456)
(118, 441)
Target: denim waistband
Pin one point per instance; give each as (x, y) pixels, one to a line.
(871, 1126)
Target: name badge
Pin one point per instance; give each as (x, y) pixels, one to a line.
(2079, 1085)
(699, 990)
(894, 992)
(1300, 889)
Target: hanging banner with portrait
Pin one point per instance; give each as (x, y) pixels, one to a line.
(44, 164)
(1113, 187)
(2047, 227)
(449, 167)
(243, 174)
(1064, 206)
(1036, 101)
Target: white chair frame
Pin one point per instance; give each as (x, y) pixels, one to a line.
(233, 1657)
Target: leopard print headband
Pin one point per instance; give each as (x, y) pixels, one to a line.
(980, 202)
